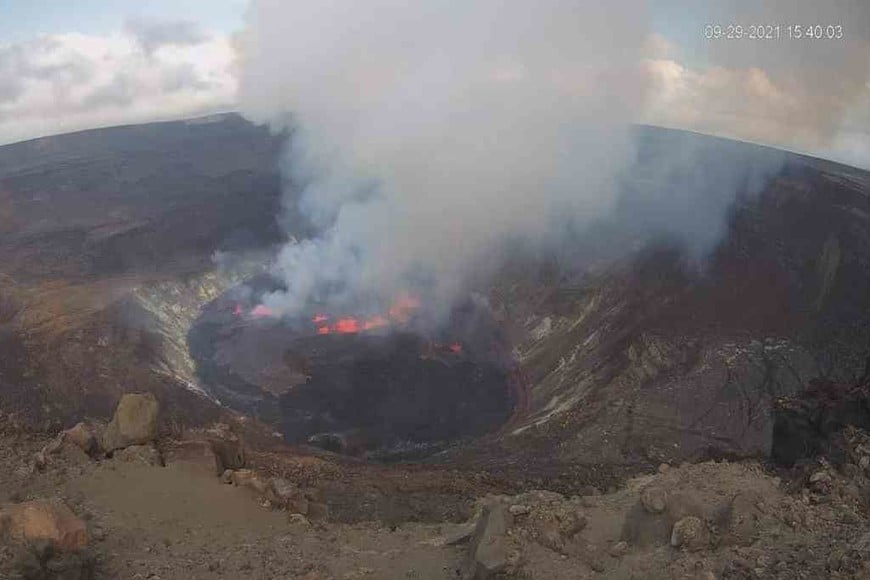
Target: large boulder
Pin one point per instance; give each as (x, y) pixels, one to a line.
(248, 478)
(650, 521)
(49, 521)
(488, 552)
(228, 454)
(134, 423)
(689, 533)
(84, 437)
(287, 495)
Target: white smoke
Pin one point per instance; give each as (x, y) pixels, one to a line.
(428, 135)
(431, 138)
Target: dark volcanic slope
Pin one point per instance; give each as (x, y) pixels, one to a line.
(671, 355)
(677, 352)
(104, 238)
(142, 197)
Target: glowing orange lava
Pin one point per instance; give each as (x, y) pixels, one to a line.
(399, 313)
(347, 325)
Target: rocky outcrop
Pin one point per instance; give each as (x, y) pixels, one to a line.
(249, 479)
(194, 453)
(43, 520)
(813, 422)
(147, 454)
(647, 360)
(134, 422)
(689, 533)
(742, 520)
(171, 308)
(488, 549)
(84, 437)
(228, 454)
(287, 495)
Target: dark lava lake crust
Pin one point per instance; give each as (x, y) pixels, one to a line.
(387, 393)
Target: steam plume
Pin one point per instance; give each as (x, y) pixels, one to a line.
(427, 135)
(430, 136)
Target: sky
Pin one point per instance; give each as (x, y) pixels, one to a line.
(26, 19)
(66, 66)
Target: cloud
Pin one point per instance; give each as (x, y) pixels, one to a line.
(66, 82)
(806, 95)
(153, 34)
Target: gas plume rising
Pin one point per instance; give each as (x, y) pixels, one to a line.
(433, 139)
(429, 136)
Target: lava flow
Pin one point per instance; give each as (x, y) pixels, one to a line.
(399, 313)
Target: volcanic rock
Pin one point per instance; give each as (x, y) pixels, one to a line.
(84, 437)
(461, 535)
(820, 477)
(618, 549)
(40, 559)
(653, 499)
(850, 470)
(742, 520)
(549, 536)
(147, 454)
(520, 510)
(571, 522)
(228, 454)
(134, 423)
(53, 446)
(689, 533)
(196, 453)
(287, 495)
(248, 478)
(589, 491)
(43, 520)
(488, 552)
(39, 461)
(298, 519)
(645, 526)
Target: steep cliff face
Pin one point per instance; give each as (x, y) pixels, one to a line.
(667, 357)
(81, 346)
(107, 240)
(168, 309)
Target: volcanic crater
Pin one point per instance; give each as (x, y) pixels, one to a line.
(387, 386)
